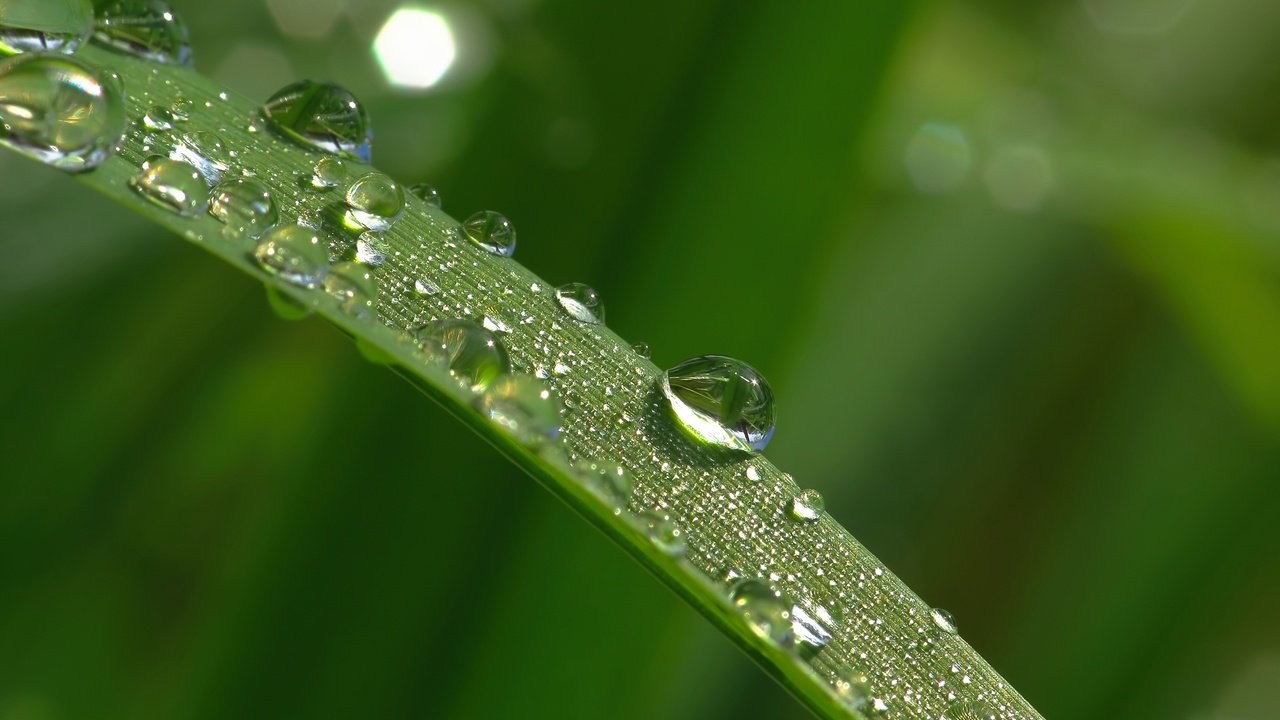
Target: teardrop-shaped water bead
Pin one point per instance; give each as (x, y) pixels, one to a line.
(807, 506)
(59, 111)
(944, 620)
(354, 287)
(244, 205)
(662, 532)
(581, 302)
(525, 407)
(473, 355)
(174, 185)
(491, 231)
(328, 173)
(295, 254)
(322, 116)
(426, 193)
(44, 25)
(721, 401)
(764, 609)
(147, 29)
(374, 202)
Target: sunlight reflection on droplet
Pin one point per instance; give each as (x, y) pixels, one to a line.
(415, 48)
(938, 158)
(1019, 178)
(1136, 17)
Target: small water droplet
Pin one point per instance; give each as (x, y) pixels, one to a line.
(354, 287)
(721, 401)
(205, 151)
(181, 109)
(371, 249)
(525, 407)
(491, 231)
(147, 29)
(174, 185)
(969, 711)
(854, 694)
(374, 202)
(812, 628)
(322, 116)
(943, 619)
(295, 254)
(158, 119)
(807, 506)
(422, 286)
(581, 302)
(753, 474)
(57, 110)
(472, 355)
(44, 25)
(643, 350)
(426, 193)
(610, 482)
(328, 173)
(495, 324)
(285, 306)
(766, 611)
(244, 205)
(662, 532)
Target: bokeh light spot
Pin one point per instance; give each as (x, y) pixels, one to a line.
(938, 158)
(415, 48)
(1136, 17)
(1019, 178)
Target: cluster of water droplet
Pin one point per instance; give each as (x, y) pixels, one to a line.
(62, 111)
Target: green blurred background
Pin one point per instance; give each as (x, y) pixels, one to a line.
(1012, 268)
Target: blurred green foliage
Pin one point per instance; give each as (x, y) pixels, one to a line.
(1011, 267)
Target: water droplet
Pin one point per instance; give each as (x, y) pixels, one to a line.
(323, 116)
(422, 286)
(244, 205)
(181, 109)
(374, 202)
(643, 350)
(581, 302)
(662, 532)
(158, 119)
(855, 695)
(205, 151)
(354, 286)
(721, 401)
(753, 474)
(495, 324)
(285, 306)
(611, 483)
(812, 629)
(295, 254)
(525, 407)
(491, 231)
(44, 25)
(328, 173)
(371, 249)
(173, 184)
(807, 506)
(766, 611)
(969, 711)
(426, 193)
(148, 29)
(473, 355)
(59, 111)
(943, 619)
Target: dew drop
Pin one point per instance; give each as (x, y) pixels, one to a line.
(426, 193)
(721, 401)
(812, 627)
(807, 506)
(525, 407)
(969, 711)
(174, 185)
(492, 323)
(374, 202)
(943, 619)
(855, 695)
(610, 482)
(44, 25)
(147, 29)
(204, 150)
(57, 110)
(371, 249)
(181, 109)
(471, 354)
(158, 119)
(322, 116)
(661, 532)
(354, 287)
(328, 173)
(294, 254)
(491, 231)
(581, 302)
(422, 286)
(766, 611)
(643, 350)
(244, 205)
(285, 306)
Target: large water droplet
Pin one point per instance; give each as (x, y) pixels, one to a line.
(581, 302)
(426, 193)
(808, 506)
(943, 619)
(323, 116)
(473, 355)
(610, 482)
(492, 231)
(148, 29)
(662, 532)
(525, 407)
(812, 628)
(374, 202)
(295, 254)
(174, 185)
(353, 286)
(766, 611)
(158, 119)
(244, 205)
(328, 173)
(44, 25)
(59, 111)
(721, 401)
